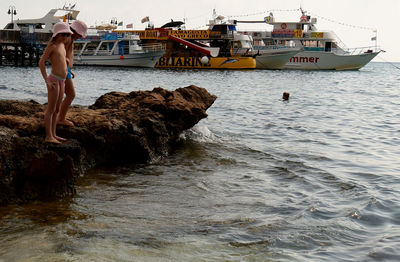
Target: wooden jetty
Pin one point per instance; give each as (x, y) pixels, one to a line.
(22, 47)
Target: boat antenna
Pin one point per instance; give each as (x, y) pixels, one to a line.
(214, 14)
(375, 38)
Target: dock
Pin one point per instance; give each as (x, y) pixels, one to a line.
(22, 47)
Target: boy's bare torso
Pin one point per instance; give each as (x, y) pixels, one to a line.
(59, 61)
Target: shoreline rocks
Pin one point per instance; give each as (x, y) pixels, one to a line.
(119, 128)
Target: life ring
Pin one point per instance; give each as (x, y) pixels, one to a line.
(284, 26)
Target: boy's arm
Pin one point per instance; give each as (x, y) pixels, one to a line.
(42, 62)
(69, 48)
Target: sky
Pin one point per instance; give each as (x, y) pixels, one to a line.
(353, 21)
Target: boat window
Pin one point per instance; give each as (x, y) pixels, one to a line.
(328, 46)
(269, 42)
(237, 44)
(39, 26)
(103, 46)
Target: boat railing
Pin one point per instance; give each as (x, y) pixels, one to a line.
(356, 51)
(88, 52)
(153, 47)
(270, 47)
(146, 48)
(24, 36)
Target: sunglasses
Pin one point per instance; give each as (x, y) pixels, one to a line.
(65, 34)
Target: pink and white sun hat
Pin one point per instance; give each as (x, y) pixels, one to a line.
(79, 27)
(60, 28)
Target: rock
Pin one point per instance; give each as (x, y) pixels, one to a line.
(119, 128)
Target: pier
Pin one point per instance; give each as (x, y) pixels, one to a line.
(22, 47)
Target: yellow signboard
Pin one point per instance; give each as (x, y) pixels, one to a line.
(191, 34)
(298, 33)
(183, 34)
(147, 34)
(213, 63)
(317, 35)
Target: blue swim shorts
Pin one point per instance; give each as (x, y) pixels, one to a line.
(69, 75)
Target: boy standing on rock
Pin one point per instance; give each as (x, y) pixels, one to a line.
(79, 30)
(55, 51)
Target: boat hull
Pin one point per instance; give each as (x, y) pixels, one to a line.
(128, 60)
(315, 60)
(212, 63)
(274, 59)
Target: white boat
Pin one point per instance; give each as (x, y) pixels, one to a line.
(109, 49)
(242, 44)
(321, 49)
(271, 58)
(46, 23)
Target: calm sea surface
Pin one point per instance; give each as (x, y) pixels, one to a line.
(315, 178)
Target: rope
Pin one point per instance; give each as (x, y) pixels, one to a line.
(341, 23)
(389, 62)
(265, 12)
(311, 13)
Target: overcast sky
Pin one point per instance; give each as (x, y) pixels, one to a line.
(353, 19)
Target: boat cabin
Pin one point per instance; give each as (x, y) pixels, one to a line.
(107, 44)
(46, 23)
(295, 34)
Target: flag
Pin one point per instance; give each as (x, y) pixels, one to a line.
(145, 19)
(373, 38)
(129, 26)
(120, 23)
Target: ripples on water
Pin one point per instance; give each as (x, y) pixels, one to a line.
(315, 178)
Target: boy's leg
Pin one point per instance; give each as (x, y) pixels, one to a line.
(58, 105)
(66, 103)
(52, 96)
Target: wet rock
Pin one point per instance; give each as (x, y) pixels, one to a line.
(119, 128)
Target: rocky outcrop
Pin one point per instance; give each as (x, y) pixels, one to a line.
(118, 128)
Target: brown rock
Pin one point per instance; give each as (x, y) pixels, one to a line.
(118, 128)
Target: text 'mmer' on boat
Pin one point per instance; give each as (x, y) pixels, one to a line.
(322, 50)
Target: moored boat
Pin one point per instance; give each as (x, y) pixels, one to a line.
(321, 49)
(190, 49)
(46, 23)
(109, 49)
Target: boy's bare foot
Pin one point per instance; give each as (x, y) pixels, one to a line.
(52, 140)
(60, 139)
(65, 122)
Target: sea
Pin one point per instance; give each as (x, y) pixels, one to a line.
(313, 178)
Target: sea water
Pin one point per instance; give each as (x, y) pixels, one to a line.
(314, 178)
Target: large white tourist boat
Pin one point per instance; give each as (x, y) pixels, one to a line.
(321, 49)
(109, 49)
(271, 58)
(46, 23)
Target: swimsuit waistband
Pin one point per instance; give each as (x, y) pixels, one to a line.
(58, 77)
